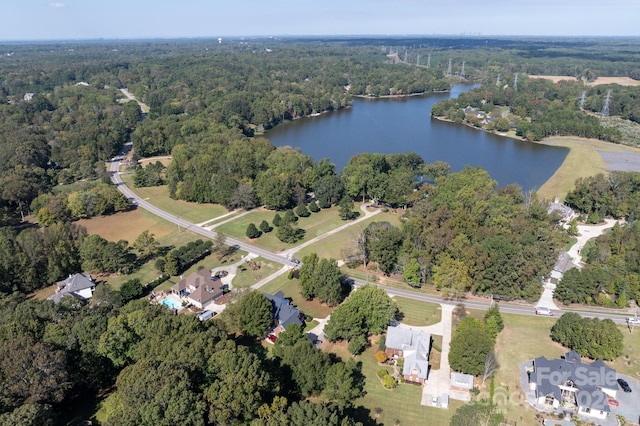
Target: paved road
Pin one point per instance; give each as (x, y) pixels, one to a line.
(509, 308)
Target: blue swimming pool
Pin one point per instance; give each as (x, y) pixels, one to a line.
(171, 303)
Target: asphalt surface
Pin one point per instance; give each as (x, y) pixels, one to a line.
(519, 308)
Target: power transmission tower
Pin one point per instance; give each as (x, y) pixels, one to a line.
(582, 98)
(418, 61)
(515, 83)
(498, 80)
(462, 70)
(405, 56)
(429, 61)
(449, 68)
(605, 107)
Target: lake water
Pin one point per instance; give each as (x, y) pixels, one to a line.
(404, 124)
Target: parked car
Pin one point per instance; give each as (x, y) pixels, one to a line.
(613, 402)
(633, 320)
(206, 315)
(434, 400)
(624, 385)
(540, 310)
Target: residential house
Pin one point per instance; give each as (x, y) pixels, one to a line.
(461, 385)
(284, 313)
(80, 286)
(200, 288)
(565, 212)
(573, 385)
(412, 346)
(563, 264)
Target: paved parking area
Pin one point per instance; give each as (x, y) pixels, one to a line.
(629, 401)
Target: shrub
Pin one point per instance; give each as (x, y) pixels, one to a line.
(381, 357)
(276, 220)
(382, 373)
(252, 231)
(264, 226)
(302, 211)
(389, 382)
(313, 207)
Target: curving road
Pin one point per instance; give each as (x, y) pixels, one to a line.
(505, 307)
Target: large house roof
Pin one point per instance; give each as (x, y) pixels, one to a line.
(283, 312)
(71, 285)
(202, 287)
(564, 263)
(415, 349)
(588, 379)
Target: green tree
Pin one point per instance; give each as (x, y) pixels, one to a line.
(252, 231)
(250, 315)
(493, 321)
(470, 346)
(171, 265)
(131, 289)
(344, 383)
(146, 245)
(411, 273)
(345, 210)
(477, 413)
(264, 226)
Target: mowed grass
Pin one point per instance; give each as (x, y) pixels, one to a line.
(629, 362)
(583, 160)
(159, 197)
(246, 276)
(331, 246)
(402, 403)
(417, 313)
(523, 338)
(291, 288)
(314, 225)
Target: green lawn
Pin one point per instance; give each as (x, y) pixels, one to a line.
(417, 313)
(402, 403)
(159, 197)
(314, 225)
(331, 246)
(291, 289)
(629, 362)
(246, 276)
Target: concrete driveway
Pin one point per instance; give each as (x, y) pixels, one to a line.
(629, 407)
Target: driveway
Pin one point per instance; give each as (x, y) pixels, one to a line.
(629, 407)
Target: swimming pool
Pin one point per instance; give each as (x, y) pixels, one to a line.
(171, 303)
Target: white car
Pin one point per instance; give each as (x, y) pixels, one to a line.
(543, 311)
(633, 320)
(434, 400)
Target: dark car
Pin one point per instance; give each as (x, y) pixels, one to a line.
(624, 385)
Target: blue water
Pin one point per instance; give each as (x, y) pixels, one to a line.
(400, 125)
(172, 304)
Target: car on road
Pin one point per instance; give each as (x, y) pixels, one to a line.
(540, 310)
(624, 385)
(633, 320)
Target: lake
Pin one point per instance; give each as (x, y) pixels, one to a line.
(405, 124)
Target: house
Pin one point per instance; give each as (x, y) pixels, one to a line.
(284, 313)
(200, 288)
(412, 346)
(574, 385)
(80, 286)
(565, 212)
(563, 264)
(461, 385)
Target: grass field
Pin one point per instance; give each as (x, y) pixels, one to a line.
(314, 225)
(246, 277)
(331, 246)
(291, 289)
(418, 313)
(159, 197)
(402, 403)
(583, 160)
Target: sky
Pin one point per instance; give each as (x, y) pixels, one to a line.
(134, 19)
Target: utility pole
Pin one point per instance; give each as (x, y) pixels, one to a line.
(605, 107)
(582, 98)
(449, 68)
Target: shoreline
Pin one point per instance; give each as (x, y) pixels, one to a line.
(408, 95)
(583, 160)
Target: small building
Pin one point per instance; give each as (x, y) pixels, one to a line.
(80, 286)
(461, 385)
(573, 385)
(28, 96)
(563, 264)
(562, 210)
(412, 346)
(199, 288)
(284, 313)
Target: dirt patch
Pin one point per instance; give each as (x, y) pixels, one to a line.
(555, 78)
(127, 226)
(622, 81)
(621, 161)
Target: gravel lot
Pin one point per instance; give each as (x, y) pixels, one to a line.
(621, 161)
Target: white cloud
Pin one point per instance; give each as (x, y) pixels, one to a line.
(57, 5)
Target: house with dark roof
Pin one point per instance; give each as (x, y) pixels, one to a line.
(200, 288)
(563, 264)
(569, 383)
(80, 286)
(284, 313)
(412, 346)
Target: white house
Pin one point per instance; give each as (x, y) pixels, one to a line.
(80, 286)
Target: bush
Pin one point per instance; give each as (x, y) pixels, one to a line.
(252, 231)
(288, 218)
(313, 207)
(389, 382)
(130, 290)
(159, 265)
(302, 211)
(381, 357)
(382, 373)
(264, 226)
(276, 220)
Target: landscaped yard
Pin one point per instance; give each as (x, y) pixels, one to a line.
(417, 313)
(291, 289)
(402, 403)
(253, 271)
(629, 362)
(331, 246)
(314, 225)
(159, 197)
(128, 225)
